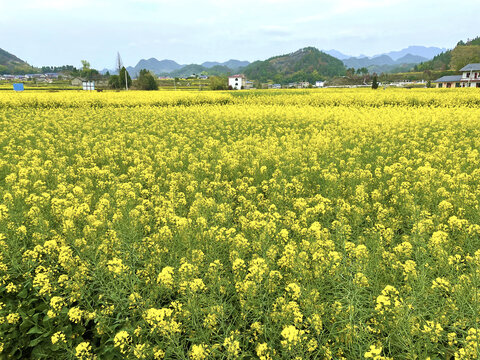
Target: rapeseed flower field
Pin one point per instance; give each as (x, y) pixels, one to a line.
(332, 224)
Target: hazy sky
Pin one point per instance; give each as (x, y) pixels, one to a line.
(57, 32)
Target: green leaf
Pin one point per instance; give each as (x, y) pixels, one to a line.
(36, 341)
(35, 330)
(23, 294)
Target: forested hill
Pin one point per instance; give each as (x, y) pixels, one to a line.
(464, 53)
(9, 63)
(307, 64)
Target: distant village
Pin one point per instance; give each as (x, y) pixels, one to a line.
(46, 78)
(235, 82)
(470, 77)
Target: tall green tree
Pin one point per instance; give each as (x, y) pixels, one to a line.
(146, 81)
(218, 83)
(85, 65)
(114, 82)
(122, 77)
(350, 72)
(374, 82)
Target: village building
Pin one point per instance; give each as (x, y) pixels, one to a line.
(319, 84)
(88, 85)
(237, 82)
(470, 78)
(77, 81)
(249, 85)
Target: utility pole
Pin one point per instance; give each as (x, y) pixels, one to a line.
(119, 63)
(126, 80)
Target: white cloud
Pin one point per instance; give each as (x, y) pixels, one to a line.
(276, 30)
(46, 4)
(346, 7)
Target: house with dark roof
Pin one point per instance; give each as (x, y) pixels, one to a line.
(470, 78)
(77, 81)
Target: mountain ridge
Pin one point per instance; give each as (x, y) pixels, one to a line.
(381, 60)
(306, 64)
(172, 68)
(423, 51)
(405, 58)
(454, 59)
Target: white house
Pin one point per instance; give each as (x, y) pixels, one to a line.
(88, 85)
(237, 82)
(319, 84)
(470, 78)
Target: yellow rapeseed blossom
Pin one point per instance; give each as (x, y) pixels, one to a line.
(292, 337)
(56, 304)
(264, 352)
(75, 314)
(58, 338)
(121, 340)
(360, 279)
(247, 224)
(232, 346)
(162, 321)
(83, 351)
(373, 353)
(166, 277)
(199, 352)
(293, 290)
(13, 318)
(116, 266)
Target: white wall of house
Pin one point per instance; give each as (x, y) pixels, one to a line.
(474, 75)
(462, 84)
(236, 82)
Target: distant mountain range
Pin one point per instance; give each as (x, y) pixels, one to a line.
(402, 60)
(337, 54)
(382, 60)
(423, 51)
(172, 68)
(231, 64)
(454, 59)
